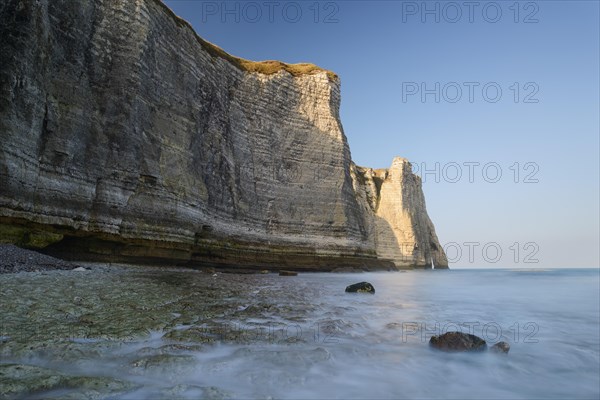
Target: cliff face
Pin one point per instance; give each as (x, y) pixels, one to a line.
(402, 230)
(124, 136)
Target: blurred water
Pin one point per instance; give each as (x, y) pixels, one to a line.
(304, 337)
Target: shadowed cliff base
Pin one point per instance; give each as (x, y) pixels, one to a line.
(222, 253)
(69, 244)
(72, 245)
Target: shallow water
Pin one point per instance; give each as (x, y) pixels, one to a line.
(146, 333)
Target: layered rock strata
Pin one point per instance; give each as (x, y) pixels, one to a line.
(126, 137)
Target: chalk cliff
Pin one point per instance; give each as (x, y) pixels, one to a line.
(126, 137)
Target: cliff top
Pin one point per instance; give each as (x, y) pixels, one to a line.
(264, 67)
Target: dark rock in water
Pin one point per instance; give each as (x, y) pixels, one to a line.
(287, 273)
(500, 347)
(361, 287)
(457, 341)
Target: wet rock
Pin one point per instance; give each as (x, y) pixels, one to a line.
(170, 349)
(184, 392)
(163, 364)
(361, 287)
(215, 393)
(80, 269)
(20, 381)
(90, 387)
(193, 335)
(457, 341)
(287, 273)
(500, 347)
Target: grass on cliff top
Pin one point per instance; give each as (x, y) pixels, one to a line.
(264, 67)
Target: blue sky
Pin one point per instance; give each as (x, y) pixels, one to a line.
(386, 52)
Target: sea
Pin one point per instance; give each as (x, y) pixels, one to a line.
(121, 332)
